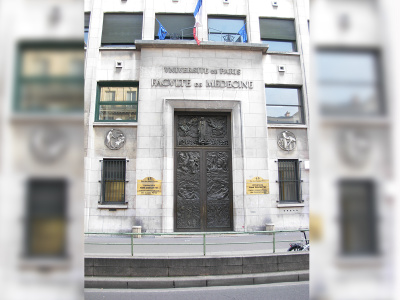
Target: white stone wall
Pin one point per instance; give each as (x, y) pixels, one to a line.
(254, 142)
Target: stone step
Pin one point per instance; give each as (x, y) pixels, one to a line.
(193, 281)
(194, 266)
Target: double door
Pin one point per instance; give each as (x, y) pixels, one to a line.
(203, 172)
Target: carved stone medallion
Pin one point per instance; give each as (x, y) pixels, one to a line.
(48, 143)
(115, 139)
(287, 140)
(354, 146)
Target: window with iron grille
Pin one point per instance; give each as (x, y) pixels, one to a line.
(358, 218)
(113, 181)
(289, 180)
(46, 220)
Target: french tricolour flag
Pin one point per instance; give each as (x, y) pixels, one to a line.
(198, 15)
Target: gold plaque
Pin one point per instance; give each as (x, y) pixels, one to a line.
(257, 186)
(149, 186)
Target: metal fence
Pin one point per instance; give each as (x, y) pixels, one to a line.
(204, 235)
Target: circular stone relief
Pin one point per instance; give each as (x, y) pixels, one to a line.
(115, 139)
(286, 140)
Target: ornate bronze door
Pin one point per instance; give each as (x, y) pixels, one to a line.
(203, 177)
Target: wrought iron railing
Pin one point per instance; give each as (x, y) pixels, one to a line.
(220, 36)
(204, 235)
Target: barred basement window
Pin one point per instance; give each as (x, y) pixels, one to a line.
(117, 102)
(46, 218)
(289, 180)
(358, 219)
(113, 181)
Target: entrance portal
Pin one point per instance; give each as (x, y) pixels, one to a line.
(203, 172)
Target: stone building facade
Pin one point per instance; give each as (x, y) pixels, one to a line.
(198, 121)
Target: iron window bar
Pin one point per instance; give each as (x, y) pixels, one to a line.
(294, 171)
(113, 180)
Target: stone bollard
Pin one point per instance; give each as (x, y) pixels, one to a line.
(137, 229)
(269, 227)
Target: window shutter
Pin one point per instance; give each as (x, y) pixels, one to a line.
(174, 24)
(277, 29)
(122, 28)
(87, 19)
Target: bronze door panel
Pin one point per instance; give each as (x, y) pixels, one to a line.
(203, 172)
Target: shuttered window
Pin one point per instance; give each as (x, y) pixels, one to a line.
(178, 26)
(280, 34)
(289, 180)
(113, 181)
(121, 29)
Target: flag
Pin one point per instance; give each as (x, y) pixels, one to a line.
(162, 32)
(198, 15)
(243, 33)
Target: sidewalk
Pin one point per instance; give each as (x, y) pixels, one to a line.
(170, 246)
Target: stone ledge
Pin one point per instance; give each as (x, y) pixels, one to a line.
(194, 281)
(204, 45)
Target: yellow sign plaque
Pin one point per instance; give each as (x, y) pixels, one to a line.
(257, 186)
(149, 186)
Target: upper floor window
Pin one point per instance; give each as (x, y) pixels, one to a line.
(86, 28)
(121, 29)
(279, 34)
(117, 102)
(348, 83)
(227, 29)
(284, 105)
(50, 78)
(176, 26)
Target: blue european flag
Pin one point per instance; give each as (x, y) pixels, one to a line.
(243, 33)
(162, 32)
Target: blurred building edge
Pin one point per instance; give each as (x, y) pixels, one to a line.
(42, 154)
(351, 151)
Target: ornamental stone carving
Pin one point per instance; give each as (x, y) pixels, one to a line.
(115, 139)
(287, 140)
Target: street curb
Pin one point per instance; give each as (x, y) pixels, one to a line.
(193, 281)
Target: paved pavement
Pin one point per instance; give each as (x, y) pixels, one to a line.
(157, 246)
(279, 291)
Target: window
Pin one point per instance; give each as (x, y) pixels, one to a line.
(358, 222)
(117, 102)
(178, 26)
(279, 34)
(224, 29)
(121, 29)
(113, 181)
(46, 218)
(50, 78)
(348, 83)
(284, 105)
(86, 28)
(289, 180)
